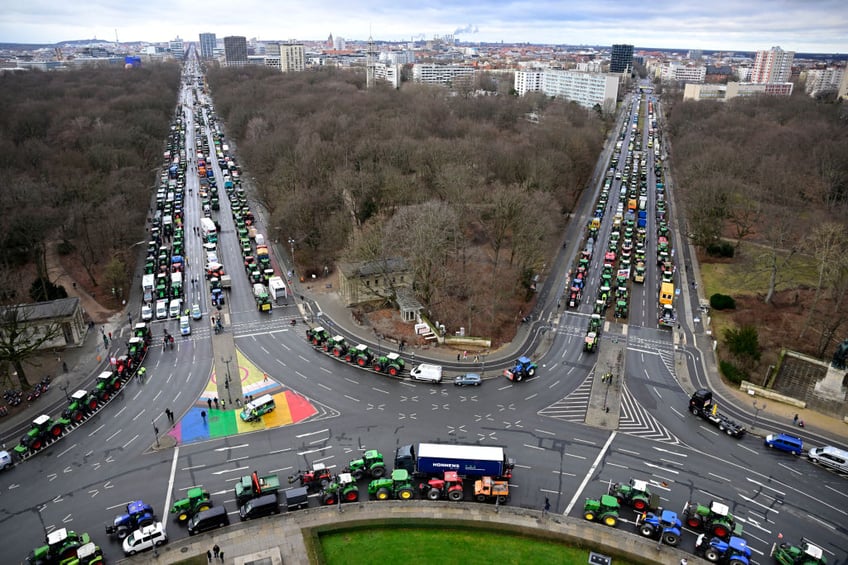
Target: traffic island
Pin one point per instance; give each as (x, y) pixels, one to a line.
(605, 401)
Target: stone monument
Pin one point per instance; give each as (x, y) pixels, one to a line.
(830, 387)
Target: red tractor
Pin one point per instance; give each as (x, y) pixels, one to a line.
(316, 479)
(449, 487)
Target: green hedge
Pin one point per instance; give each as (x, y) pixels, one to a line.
(733, 373)
(722, 302)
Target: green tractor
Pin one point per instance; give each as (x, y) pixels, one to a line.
(80, 404)
(397, 486)
(621, 309)
(60, 547)
(88, 554)
(196, 500)
(635, 494)
(391, 364)
(317, 336)
(804, 554)
(343, 487)
(336, 345)
(371, 463)
(107, 384)
(715, 519)
(595, 323)
(359, 355)
(604, 510)
(590, 343)
(44, 429)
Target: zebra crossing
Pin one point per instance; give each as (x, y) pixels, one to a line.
(664, 349)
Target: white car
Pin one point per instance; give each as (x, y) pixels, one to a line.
(5, 460)
(185, 326)
(146, 313)
(161, 309)
(145, 538)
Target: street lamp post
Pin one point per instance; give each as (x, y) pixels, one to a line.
(227, 382)
(291, 244)
(64, 387)
(155, 432)
(757, 409)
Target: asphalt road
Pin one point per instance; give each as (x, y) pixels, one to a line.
(84, 480)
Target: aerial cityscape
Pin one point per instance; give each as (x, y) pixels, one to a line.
(442, 283)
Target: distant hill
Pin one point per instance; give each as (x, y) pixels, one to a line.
(33, 46)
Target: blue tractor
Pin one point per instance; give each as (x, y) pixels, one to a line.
(664, 526)
(716, 550)
(524, 369)
(138, 516)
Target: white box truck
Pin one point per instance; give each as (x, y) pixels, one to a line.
(277, 288)
(147, 284)
(427, 372)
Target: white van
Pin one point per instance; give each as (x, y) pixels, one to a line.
(161, 309)
(175, 307)
(829, 456)
(146, 313)
(427, 372)
(260, 239)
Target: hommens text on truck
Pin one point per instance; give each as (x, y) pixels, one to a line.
(430, 459)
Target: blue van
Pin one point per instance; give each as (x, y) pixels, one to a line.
(785, 442)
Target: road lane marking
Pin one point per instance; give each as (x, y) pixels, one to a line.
(380, 390)
(140, 413)
(314, 450)
(313, 433)
(118, 413)
(725, 479)
(534, 447)
(67, 450)
(301, 375)
(348, 379)
(589, 474)
(326, 370)
(322, 385)
(230, 470)
(544, 432)
(351, 398)
(130, 441)
(113, 435)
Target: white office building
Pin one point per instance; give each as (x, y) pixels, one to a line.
(389, 73)
(528, 81)
(823, 80)
(430, 73)
(683, 73)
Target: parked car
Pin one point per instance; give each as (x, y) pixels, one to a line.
(145, 538)
(196, 314)
(785, 442)
(146, 313)
(185, 326)
(468, 379)
(5, 460)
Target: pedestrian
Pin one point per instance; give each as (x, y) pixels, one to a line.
(476, 358)
(251, 397)
(795, 420)
(209, 403)
(216, 551)
(110, 336)
(223, 404)
(547, 505)
(64, 367)
(458, 355)
(684, 561)
(221, 556)
(265, 377)
(216, 403)
(203, 415)
(464, 354)
(209, 556)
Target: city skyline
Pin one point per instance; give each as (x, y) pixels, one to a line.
(813, 27)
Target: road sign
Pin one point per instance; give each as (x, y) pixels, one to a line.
(598, 559)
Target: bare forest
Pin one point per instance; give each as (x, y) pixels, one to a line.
(78, 158)
(769, 176)
(472, 194)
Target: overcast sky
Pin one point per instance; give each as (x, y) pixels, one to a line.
(795, 25)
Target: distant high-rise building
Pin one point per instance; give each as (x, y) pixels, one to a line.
(774, 65)
(235, 50)
(207, 45)
(621, 59)
(821, 81)
(292, 57)
(176, 48)
(339, 44)
(330, 42)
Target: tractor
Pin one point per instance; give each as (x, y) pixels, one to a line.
(142, 330)
(524, 369)
(136, 348)
(804, 554)
(317, 336)
(604, 510)
(391, 364)
(732, 552)
(318, 478)
(449, 487)
(335, 345)
(664, 526)
(635, 494)
(106, 384)
(124, 365)
(397, 486)
(44, 429)
(590, 344)
(595, 324)
(714, 519)
(138, 515)
(359, 355)
(343, 487)
(371, 463)
(60, 546)
(487, 488)
(196, 500)
(80, 404)
(87, 554)
(621, 309)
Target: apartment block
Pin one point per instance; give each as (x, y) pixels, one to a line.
(430, 73)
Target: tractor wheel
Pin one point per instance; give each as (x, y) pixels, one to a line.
(325, 347)
(481, 498)
(405, 493)
(104, 397)
(35, 445)
(383, 494)
(56, 430)
(337, 352)
(720, 530)
(519, 377)
(434, 494)
(351, 495)
(640, 504)
(182, 517)
(393, 371)
(348, 358)
(455, 495)
(712, 555)
(589, 515)
(671, 538)
(360, 361)
(531, 372)
(92, 404)
(314, 341)
(328, 499)
(378, 471)
(501, 499)
(121, 533)
(728, 431)
(76, 416)
(378, 368)
(694, 522)
(721, 427)
(610, 520)
(358, 474)
(646, 530)
(736, 562)
(203, 507)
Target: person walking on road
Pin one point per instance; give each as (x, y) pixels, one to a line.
(203, 415)
(209, 403)
(216, 551)
(547, 505)
(209, 556)
(216, 403)
(221, 555)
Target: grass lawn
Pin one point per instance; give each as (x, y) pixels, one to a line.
(422, 545)
(748, 274)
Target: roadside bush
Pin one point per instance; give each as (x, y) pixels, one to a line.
(722, 302)
(733, 373)
(723, 249)
(744, 342)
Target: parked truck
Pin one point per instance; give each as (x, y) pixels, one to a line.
(277, 288)
(148, 282)
(702, 405)
(208, 230)
(433, 459)
(488, 489)
(667, 317)
(252, 486)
